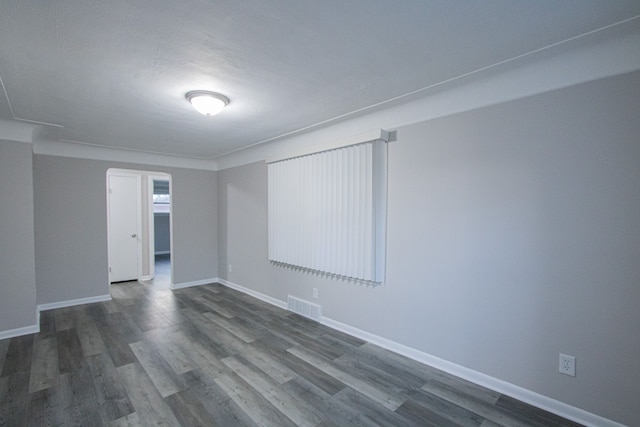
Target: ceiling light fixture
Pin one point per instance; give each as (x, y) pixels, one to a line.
(206, 102)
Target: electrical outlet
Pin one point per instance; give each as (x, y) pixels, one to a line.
(315, 293)
(230, 268)
(567, 365)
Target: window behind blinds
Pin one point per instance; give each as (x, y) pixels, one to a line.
(327, 211)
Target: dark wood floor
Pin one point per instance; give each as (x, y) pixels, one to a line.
(162, 270)
(209, 355)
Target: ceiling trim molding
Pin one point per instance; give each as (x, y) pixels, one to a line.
(605, 53)
(11, 130)
(94, 152)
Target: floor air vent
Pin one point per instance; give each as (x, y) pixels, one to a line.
(304, 308)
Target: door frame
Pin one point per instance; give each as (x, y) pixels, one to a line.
(157, 176)
(145, 238)
(128, 174)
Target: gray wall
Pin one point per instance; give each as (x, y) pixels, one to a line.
(161, 235)
(17, 281)
(242, 229)
(513, 235)
(71, 226)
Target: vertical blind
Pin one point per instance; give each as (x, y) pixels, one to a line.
(327, 211)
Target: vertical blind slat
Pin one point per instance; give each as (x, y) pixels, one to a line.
(321, 212)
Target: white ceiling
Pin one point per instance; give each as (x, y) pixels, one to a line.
(115, 73)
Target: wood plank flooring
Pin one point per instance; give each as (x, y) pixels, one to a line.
(211, 356)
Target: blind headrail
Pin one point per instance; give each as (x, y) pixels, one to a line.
(374, 135)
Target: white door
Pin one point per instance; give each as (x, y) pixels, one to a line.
(124, 218)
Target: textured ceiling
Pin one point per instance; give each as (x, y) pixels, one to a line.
(115, 73)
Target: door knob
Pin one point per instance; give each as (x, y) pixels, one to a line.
(134, 235)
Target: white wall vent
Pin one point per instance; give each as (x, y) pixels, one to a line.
(304, 308)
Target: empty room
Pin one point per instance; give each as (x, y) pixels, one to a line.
(276, 213)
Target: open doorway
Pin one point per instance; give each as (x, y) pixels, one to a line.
(161, 217)
(141, 223)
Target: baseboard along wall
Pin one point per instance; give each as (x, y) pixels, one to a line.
(72, 302)
(34, 329)
(26, 330)
(194, 283)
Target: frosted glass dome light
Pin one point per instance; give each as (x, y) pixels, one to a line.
(206, 102)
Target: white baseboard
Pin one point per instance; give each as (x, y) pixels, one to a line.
(145, 278)
(26, 330)
(194, 283)
(543, 402)
(258, 295)
(72, 302)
